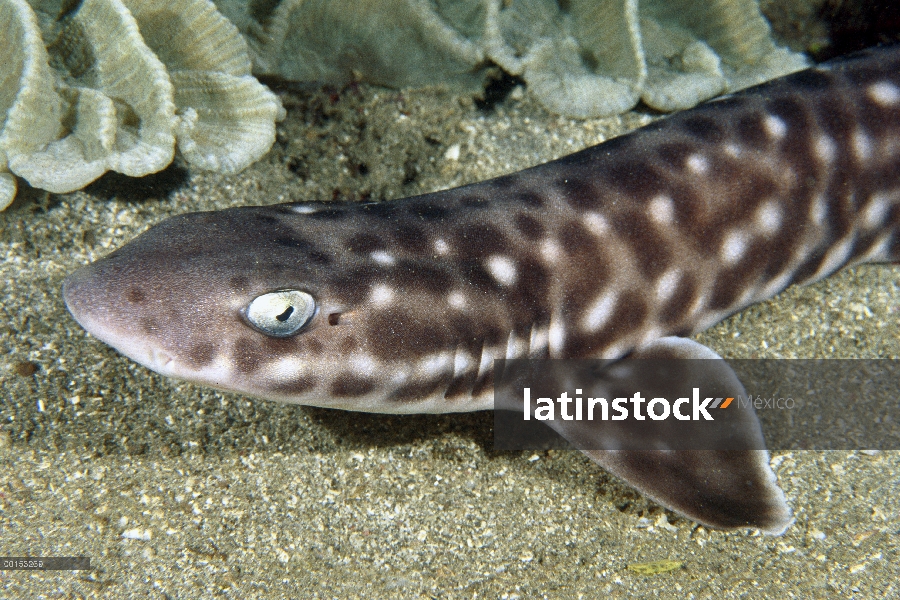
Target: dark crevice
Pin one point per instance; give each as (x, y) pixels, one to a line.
(855, 25)
(496, 90)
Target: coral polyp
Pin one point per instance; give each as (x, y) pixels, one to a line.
(118, 85)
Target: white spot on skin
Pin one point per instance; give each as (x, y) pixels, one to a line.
(698, 164)
(304, 209)
(835, 259)
(825, 149)
(662, 210)
(487, 361)
(399, 377)
(745, 299)
(515, 348)
(733, 150)
(775, 127)
(556, 337)
(550, 250)
(768, 217)
(862, 146)
(877, 211)
(621, 371)
(436, 364)
(733, 247)
(880, 251)
(596, 223)
(652, 334)
(441, 247)
(802, 252)
(502, 269)
(818, 210)
(614, 352)
(667, 284)
(698, 305)
(381, 295)
(538, 342)
(456, 300)
(885, 93)
(285, 369)
(382, 258)
(462, 362)
(362, 364)
(776, 285)
(600, 312)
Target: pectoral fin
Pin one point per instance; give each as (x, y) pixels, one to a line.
(722, 488)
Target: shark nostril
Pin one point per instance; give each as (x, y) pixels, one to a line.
(334, 319)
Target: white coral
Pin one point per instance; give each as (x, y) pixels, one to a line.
(26, 91)
(581, 58)
(115, 85)
(225, 117)
(118, 84)
(117, 102)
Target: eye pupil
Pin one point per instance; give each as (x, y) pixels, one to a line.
(281, 313)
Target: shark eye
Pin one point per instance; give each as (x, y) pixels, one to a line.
(281, 313)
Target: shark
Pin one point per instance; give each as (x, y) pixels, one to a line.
(618, 252)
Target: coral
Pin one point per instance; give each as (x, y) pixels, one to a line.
(584, 62)
(396, 43)
(581, 58)
(102, 85)
(227, 118)
(115, 85)
(28, 102)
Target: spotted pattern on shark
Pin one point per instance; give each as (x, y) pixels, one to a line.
(621, 249)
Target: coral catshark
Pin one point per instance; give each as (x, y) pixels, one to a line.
(615, 252)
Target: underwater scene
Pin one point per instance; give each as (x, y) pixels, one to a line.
(289, 395)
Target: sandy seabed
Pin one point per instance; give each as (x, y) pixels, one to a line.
(178, 491)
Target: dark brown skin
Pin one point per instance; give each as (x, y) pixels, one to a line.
(602, 254)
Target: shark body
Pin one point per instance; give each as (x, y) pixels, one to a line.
(619, 251)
